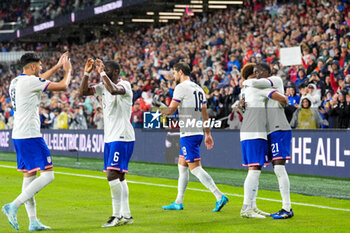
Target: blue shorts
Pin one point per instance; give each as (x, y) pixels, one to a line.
(190, 148)
(32, 154)
(254, 152)
(279, 142)
(117, 155)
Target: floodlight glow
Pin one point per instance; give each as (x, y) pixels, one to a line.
(217, 6)
(142, 20)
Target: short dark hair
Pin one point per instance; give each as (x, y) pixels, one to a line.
(265, 66)
(113, 65)
(184, 67)
(247, 70)
(29, 58)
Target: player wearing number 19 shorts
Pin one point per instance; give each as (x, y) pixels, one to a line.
(119, 135)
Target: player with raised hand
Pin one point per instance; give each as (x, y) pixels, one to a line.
(190, 100)
(31, 149)
(119, 135)
(279, 135)
(254, 139)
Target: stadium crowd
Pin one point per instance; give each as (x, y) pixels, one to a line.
(216, 47)
(27, 12)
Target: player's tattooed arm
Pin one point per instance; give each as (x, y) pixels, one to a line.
(84, 89)
(54, 69)
(171, 109)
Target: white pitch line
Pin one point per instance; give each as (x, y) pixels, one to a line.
(193, 189)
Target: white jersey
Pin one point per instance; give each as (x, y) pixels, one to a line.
(276, 118)
(116, 113)
(25, 92)
(191, 98)
(254, 117)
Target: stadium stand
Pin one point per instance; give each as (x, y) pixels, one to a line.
(18, 14)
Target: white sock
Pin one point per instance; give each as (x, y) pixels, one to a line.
(254, 206)
(116, 193)
(30, 203)
(182, 183)
(207, 181)
(35, 186)
(125, 209)
(251, 184)
(283, 181)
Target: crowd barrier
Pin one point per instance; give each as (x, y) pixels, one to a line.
(314, 152)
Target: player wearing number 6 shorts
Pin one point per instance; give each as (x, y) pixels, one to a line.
(190, 100)
(119, 135)
(279, 136)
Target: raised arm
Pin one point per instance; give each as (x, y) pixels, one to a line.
(111, 87)
(64, 83)
(84, 89)
(54, 69)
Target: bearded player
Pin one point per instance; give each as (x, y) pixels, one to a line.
(190, 100)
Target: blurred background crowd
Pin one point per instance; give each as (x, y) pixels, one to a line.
(216, 47)
(28, 12)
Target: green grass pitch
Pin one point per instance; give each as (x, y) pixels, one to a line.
(82, 203)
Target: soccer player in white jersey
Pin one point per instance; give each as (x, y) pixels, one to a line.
(254, 140)
(31, 149)
(119, 135)
(279, 135)
(190, 100)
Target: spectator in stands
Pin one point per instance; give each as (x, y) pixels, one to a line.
(214, 105)
(77, 119)
(306, 117)
(63, 119)
(235, 118)
(233, 61)
(137, 116)
(315, 79)
(314, 95)
(136, 92)
(341, 110)
(301, 78)
(335, 75)
(98, 118)
(293, 97)
(56, 113)
(48, 117)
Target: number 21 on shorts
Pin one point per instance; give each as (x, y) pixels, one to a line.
(274, 148)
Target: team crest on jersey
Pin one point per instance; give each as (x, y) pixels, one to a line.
(151, 120)
(49, 159)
